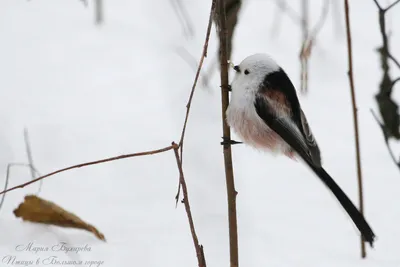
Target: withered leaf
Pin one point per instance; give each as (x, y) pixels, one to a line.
(38, 210)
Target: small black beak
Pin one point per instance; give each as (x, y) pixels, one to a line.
(236, 68)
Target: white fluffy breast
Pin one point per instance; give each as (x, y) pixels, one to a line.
(242, 117)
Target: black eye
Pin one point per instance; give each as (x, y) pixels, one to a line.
(246, 72)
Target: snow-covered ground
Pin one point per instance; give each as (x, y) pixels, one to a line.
(86, 93)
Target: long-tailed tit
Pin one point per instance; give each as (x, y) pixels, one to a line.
(265, 113)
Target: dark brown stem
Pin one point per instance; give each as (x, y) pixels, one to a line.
(199, 248)
(355, 117)
(146, 153)
(230, 184)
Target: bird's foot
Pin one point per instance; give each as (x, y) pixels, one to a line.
(228, 141)
(229, 87)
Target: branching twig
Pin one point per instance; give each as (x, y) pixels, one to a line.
(387, 107)
(309, 40)
(198, 247)
(182, 15)
(230, 184)
(178, 150)
(355, 116)
(386, 139)
(392, 5)
(196, 78)
(203, 55)
(285, 8)
(35, 172)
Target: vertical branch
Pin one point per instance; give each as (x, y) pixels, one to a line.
(303, 57)
(183, 17)
(355, 117)
(230, 184)
(99, 17)
(29, 152)
(199, 248)
(32, 168)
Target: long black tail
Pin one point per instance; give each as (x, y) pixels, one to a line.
(353, 212)
(286, 131)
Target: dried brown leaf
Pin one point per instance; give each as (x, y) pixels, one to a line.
(38, 210)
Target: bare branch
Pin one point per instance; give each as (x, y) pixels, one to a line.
(30, 159)
(378, 5)
(189, 103)
(183, 16)
(355, 117)
(309, 40)
(230, 183)
(203, 55)
(285, 8)
(146, 153)
(8, 177)
(199, 248)
(387, 106)
(395, 61)
(392, 5)
(385, 136)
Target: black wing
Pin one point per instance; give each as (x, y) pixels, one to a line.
(279, 81)
(291, 136)
(310, 140)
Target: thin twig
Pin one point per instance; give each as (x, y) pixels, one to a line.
(230, 183)
(395, 61)
(305, 50)
(146, 153)
(309, 40)
(183, 16)
(355, 117)
(191, 61)
(29, 151)
(392, 5)
(387, 106)
(203, 55)
(8, 177)
(189, 103)
(30, 159)
(99, 12)
(285, 8)
(199, 249)
(385, 136)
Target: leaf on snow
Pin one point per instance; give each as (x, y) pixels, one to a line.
(38, 210)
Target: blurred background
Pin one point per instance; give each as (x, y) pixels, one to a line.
(90, 84)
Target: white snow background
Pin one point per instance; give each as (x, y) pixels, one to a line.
(87, 92)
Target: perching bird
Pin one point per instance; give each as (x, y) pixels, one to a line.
(265, 113)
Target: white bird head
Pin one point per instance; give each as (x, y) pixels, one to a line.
(251, 72)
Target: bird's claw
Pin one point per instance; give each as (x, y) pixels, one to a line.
(228, 87)
(228, 141)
